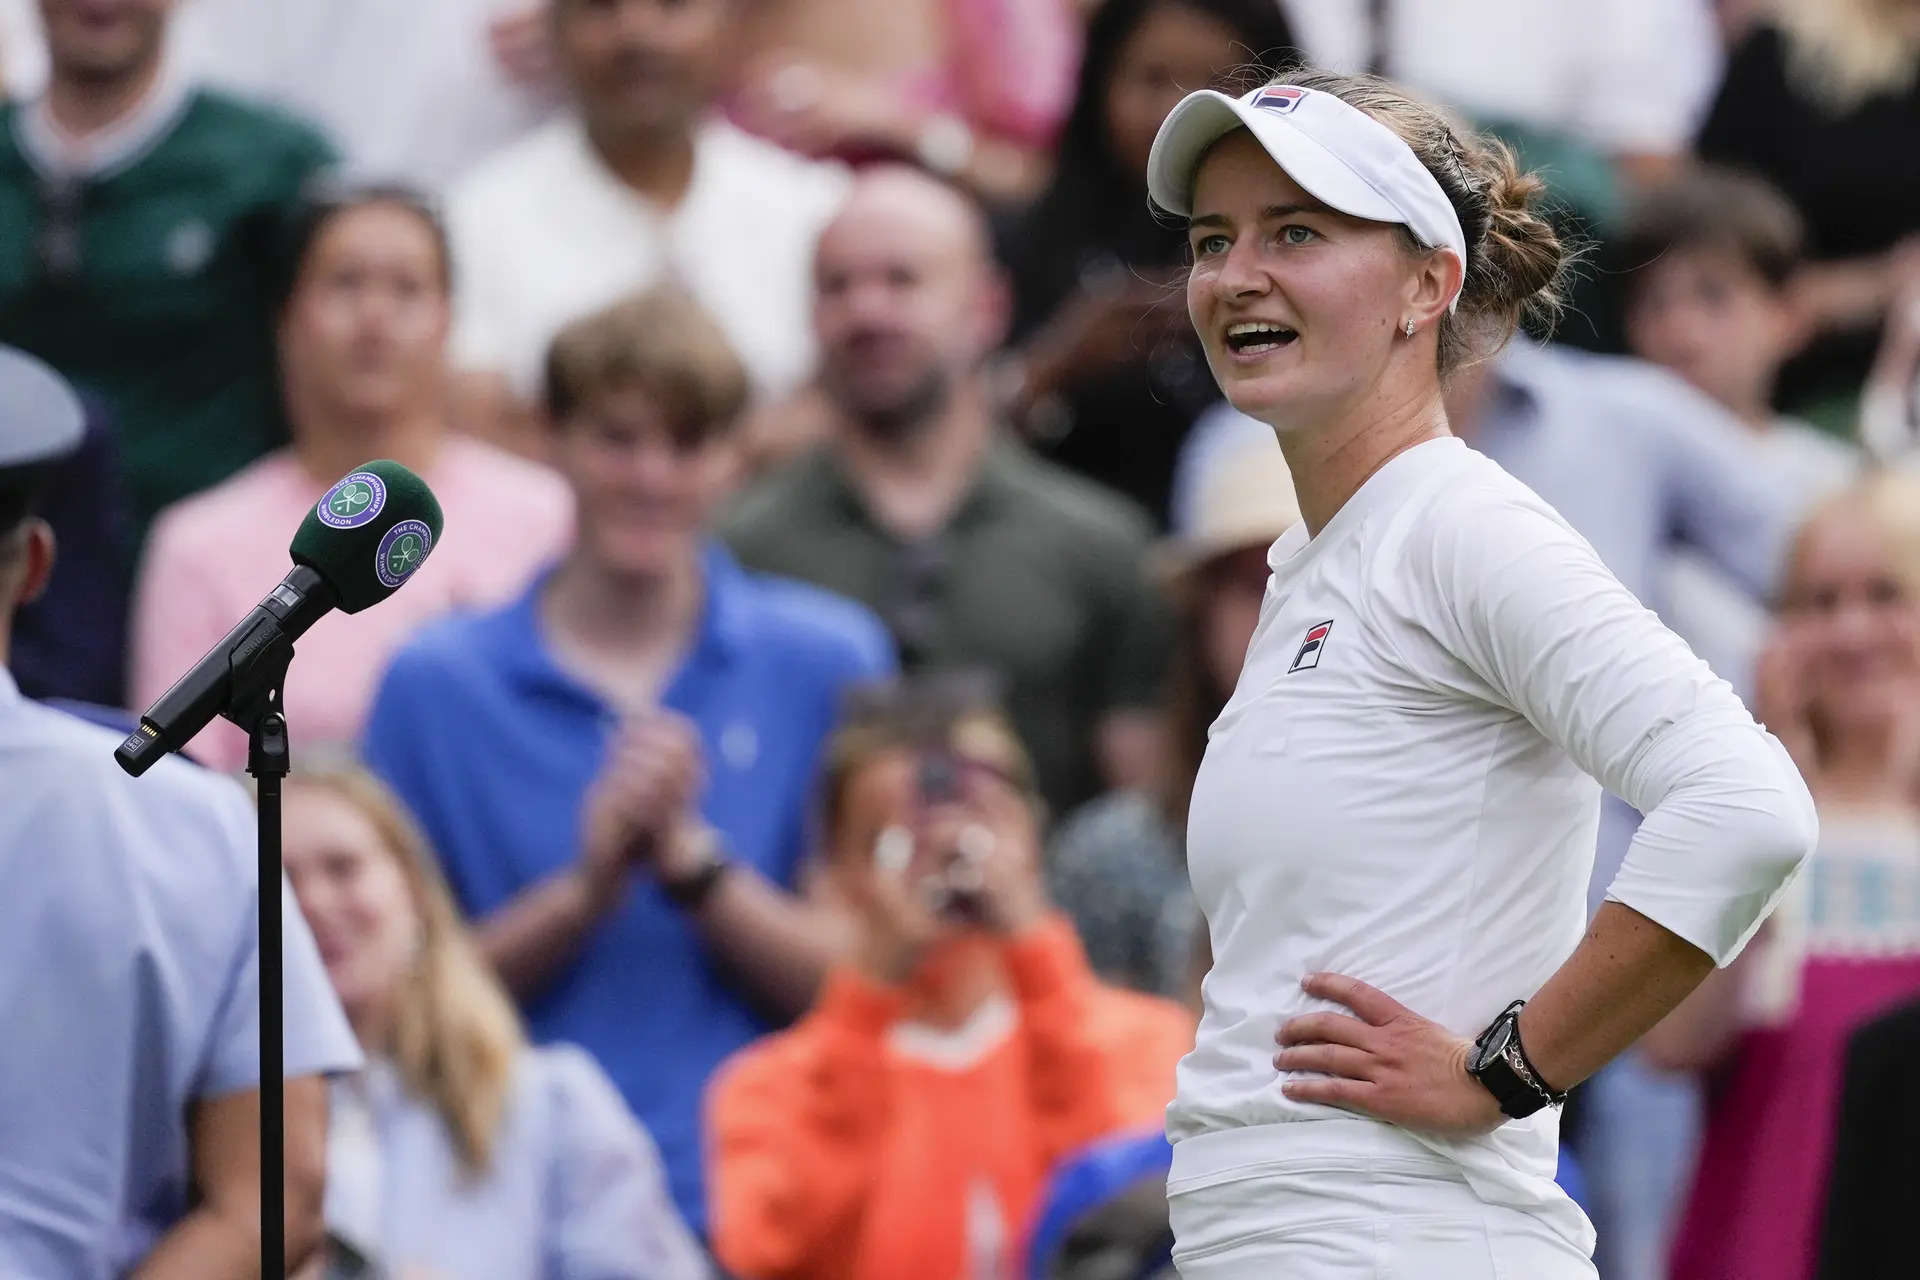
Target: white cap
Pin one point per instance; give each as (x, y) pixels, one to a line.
(41, 419)
(1340, 155)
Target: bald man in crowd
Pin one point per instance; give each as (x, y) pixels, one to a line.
(975, 553)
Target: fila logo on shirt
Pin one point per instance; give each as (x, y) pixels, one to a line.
(1311, 647)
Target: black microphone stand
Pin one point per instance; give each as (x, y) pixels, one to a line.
(254, 703)
(249, 693)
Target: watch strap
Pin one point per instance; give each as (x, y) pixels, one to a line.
(1508, 1074)
(1523, 1066)
(690, 892)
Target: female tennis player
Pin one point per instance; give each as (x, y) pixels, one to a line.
(1393, 829)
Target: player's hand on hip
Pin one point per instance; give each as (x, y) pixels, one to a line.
(1384, 1061)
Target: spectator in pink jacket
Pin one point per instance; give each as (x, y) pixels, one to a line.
(362, 338)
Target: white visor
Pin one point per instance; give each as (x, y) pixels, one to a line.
(1340, 155)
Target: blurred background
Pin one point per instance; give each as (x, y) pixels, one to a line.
(762, 349)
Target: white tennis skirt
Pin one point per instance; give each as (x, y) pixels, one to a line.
(1410, 1217)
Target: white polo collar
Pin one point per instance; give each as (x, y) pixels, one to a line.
(56, 154)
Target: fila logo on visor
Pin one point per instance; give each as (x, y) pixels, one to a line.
(1311, 647)
(1281, 99)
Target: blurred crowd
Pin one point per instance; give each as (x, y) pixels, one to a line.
(757, 834)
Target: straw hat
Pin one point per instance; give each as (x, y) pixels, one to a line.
(1244, 498)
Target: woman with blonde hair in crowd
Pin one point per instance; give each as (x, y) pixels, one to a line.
(1840, 685)
(460, 1150)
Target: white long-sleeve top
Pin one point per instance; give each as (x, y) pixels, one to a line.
(1403, 790)
(573, 1188)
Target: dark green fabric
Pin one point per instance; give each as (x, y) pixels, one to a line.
(167, 317)
(1038, 577)
(1585, 201)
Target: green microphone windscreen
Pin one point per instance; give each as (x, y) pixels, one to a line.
(369, 533)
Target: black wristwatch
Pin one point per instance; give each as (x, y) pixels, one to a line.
(1500, 1062)
(691, 891)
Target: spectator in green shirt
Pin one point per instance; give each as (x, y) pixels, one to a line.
(974, 552)
(141, 228)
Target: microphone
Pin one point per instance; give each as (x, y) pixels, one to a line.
(365, 537)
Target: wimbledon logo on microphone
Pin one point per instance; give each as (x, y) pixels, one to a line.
(402, 551)
(353, 502)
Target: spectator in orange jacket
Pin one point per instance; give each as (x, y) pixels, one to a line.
(905, 1125)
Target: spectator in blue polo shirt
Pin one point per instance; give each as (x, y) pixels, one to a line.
(615, 768)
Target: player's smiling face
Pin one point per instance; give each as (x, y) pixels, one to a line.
(1296, 305)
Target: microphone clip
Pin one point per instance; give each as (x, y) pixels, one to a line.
(246, 690)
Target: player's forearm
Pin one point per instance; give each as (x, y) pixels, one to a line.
(220, 1238)
(206, 1245)
(537, 934)
(1695, 1036)
(776, 945)
(1626, 975)
(224, 1244)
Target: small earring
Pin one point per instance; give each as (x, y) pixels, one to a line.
(1408, 327)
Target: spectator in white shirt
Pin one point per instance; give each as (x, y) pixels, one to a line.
(23, 49)
(641, 181)
(1630, 78)
(1393, 827)
(415, 92)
